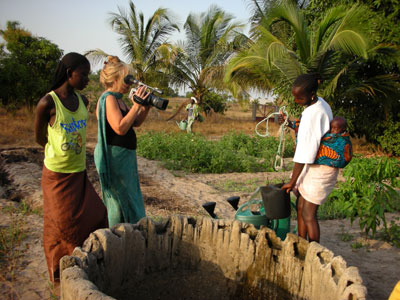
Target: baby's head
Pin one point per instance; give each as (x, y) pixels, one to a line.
(338, 125)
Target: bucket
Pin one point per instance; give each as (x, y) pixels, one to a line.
(279, 219)
(246, 215)
(281, 227)
(276, 202)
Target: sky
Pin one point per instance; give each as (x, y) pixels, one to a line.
(82, 25)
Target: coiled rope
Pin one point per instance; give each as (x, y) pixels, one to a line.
(282, 128)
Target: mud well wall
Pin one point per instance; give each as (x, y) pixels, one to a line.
(257, 259)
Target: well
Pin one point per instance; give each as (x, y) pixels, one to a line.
(186, 258)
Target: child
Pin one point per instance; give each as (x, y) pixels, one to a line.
(71, 207)
(336, 148)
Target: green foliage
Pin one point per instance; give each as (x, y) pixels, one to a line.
(390, 140)
(368, 192)
(217, 102)
(198, 62)
(392, 234)
(232, 153)
(369, 88)
(141, 40)
(26, 70)
(388, 14)
(333, 208)
(93, 91)
(356, 245)
(358, 59)
(344, 236)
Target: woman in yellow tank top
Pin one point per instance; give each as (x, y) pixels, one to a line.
(71, 207)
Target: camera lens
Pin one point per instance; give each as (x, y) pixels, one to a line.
(158, 102)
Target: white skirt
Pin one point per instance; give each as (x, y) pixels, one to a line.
(316, 182)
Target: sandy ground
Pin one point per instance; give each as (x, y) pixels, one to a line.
(165, 193)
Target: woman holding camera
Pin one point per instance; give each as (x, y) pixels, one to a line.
(115, 153)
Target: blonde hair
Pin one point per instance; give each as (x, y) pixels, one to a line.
(114, 69)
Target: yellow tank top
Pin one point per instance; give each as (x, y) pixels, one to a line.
(65, 151)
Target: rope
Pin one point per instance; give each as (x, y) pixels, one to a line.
(281, 147)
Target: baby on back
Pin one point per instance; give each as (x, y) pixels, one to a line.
(338, 125)
(336, 148)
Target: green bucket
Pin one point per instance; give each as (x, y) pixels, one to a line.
(258, 217)
(246, 215)
(281, 227)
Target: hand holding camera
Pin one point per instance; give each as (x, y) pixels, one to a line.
(148, 99)
(139, 95)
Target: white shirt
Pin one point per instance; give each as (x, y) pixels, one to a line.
(314, 124)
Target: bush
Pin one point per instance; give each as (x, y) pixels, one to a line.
(390, 140)
(368, 192)
(217, 102)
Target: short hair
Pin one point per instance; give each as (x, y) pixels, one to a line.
(308, 82)
(114, 69)
(341, 120)
(71, 61)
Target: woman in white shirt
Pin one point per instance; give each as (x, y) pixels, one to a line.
(313, 182)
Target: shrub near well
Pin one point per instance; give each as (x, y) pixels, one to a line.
(367, 193)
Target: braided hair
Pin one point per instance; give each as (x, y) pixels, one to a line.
(71, 61)
(308, 82)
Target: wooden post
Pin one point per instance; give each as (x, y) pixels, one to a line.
(254, 112)
(276, 116)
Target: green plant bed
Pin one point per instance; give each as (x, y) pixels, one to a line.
(234, 152)
(368, 192)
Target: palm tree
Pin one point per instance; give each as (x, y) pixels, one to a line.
(198, 63)
(140, 41)
(285, 46)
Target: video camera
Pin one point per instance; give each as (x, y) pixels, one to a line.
(151, 99)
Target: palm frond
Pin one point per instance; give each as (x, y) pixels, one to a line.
(289, 13)
(332, 85)
(349, 35)
(330, 19)
(350, 42)
(383, 87)
(96, 56)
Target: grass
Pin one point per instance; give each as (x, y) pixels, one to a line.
(17, 128)
(23, 209)
(356, 245)
(344, 236)
(11, 237)
(247, 186)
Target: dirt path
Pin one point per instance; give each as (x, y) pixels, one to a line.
(165, 193)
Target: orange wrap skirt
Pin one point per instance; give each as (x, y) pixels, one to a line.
(71, 211)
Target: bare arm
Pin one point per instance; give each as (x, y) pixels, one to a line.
(282, 118)
(43, 115)
(142, 116)
(117, 121)
(295, 175)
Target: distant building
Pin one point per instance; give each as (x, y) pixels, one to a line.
(263, 106)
